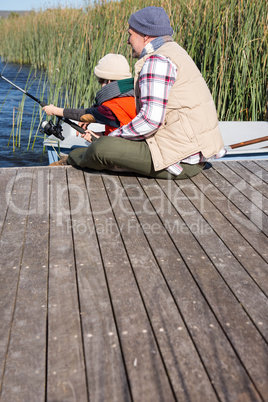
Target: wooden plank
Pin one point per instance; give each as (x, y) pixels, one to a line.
(248, 293)
(11, 248)
(7, 178)
(66, 379)
(173, 309)
(25, 370)
(245, 197)
(250, 347)
(146, 373)
(181, 360)
(224, 369)
(259, 168)
(263, 163)
(250, 242)
(254, 180)
(106, 376)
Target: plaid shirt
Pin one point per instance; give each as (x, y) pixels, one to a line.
(156, 79)
(157, 76)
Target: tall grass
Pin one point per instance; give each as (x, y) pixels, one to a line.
(227, 40)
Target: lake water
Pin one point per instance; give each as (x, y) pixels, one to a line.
(10, 99)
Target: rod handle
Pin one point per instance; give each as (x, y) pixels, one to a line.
(77, 127)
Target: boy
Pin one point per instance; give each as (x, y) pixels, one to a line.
(115, 103)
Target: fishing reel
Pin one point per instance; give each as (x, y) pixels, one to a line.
(49, 128)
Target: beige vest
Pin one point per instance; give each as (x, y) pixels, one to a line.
(191, 123)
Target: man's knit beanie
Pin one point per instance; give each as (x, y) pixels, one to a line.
(151, 21)
(113, 67)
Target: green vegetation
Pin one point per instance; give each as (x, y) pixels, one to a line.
(226, 39)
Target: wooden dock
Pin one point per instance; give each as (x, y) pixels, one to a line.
(123, 288)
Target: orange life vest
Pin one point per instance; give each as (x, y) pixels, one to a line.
(124, 109)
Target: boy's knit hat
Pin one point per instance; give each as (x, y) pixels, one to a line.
(113, 67)
(151, 21)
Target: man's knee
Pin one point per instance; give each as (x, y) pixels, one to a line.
(90, 157)
(100, 149)
(104, 153)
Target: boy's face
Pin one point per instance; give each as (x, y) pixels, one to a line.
(136, 41)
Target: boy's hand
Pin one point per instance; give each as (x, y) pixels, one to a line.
(89, 134)
(49, 109)
(84, 126)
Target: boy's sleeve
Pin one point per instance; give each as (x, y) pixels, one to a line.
(99, 114)
(74, 114)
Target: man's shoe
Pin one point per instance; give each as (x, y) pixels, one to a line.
(61, 162)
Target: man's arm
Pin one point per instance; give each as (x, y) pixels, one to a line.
(156, 79)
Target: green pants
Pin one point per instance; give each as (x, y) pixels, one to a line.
(115, 152)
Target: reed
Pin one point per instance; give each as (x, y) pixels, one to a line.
(227, 40)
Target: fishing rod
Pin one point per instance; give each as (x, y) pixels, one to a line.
(249, 142)
(48, 127)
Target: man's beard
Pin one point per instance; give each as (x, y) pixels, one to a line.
(135, 54)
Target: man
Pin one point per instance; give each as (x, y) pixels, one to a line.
(176, 127)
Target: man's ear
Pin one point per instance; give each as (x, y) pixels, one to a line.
(148, 39)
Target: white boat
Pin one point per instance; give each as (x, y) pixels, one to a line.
(233, 132)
